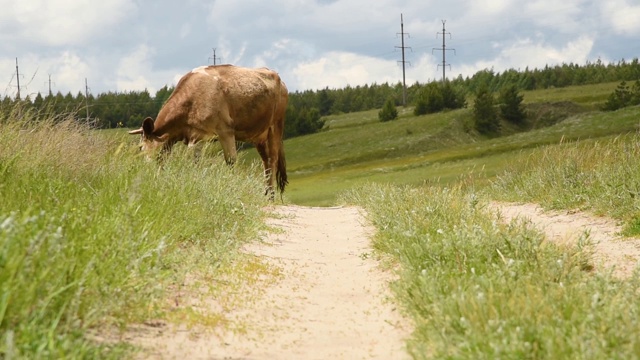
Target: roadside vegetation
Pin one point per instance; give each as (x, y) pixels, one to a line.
(479, 289)
(92, 236)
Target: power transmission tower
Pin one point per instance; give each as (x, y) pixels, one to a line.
(50, 93)
(444, 49)
(404, 78)
(18, 80)
(214, 58)
(86, 96)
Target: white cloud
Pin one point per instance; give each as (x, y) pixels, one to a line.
(533, 54)
(135, 69)
(622, 16)
(337, 69)
(70, 71)
(62, 22)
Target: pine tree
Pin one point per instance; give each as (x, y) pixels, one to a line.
(430, 100)
(486, 119)
(511, 108)
(389, 111)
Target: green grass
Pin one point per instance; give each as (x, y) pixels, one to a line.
(91, 235)
(438, 148)
(598, 176)
(479, 289)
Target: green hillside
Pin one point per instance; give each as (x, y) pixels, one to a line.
(357, 148)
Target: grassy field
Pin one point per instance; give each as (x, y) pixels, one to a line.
(441, 148)
(479, 289)
(93, 237)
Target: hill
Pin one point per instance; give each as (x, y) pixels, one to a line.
(356, 148)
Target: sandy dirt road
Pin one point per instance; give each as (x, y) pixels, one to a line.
(610, 250)
(332, 300)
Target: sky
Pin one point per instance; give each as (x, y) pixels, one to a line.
(132, 45)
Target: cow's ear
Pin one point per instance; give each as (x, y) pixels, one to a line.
(147, 126)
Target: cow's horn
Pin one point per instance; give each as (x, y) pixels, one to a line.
(136, 132)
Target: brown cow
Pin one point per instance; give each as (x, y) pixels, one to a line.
(228, 103)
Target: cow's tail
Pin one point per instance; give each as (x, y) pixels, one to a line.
(281, 172)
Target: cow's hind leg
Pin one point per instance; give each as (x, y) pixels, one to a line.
(268, 170)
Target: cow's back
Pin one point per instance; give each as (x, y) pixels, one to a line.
(250, 96)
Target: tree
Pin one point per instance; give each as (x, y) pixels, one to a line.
(325, 102)
(302, 121)
(511, 108)
(619, 98)
(486, 119)
(453, 98)
(430, 100)
(389, 111)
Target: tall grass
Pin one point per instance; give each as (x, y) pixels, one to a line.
(600, 176)
(479, 289)
(91, 235)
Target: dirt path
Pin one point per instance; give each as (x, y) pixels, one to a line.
(611, 251)
(331, 301)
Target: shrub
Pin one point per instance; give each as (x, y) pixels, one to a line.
(436, 97)
(511, 108)
(623, 96)
(389, 111)
(430, 100)
(484, 113)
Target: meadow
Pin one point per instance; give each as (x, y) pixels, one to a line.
(92, 236)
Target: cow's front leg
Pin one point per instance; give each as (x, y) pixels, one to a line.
(228, 142)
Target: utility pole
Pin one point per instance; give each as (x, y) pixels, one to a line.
(86, 97)
(404, 78)
(18, 80)
(214, 58)
(444, 49)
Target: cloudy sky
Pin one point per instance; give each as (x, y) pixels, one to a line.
(125, 45)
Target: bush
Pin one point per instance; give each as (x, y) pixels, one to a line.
(453, 98)
(622, 96)
(511, 108)
(436, 97)
(484, 113)
(389, 111)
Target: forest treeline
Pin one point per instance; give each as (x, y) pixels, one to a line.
(307, 108)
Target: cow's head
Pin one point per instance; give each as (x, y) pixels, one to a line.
(150, 144)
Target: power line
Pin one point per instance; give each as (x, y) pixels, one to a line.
(444, 49)
(404, 77)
